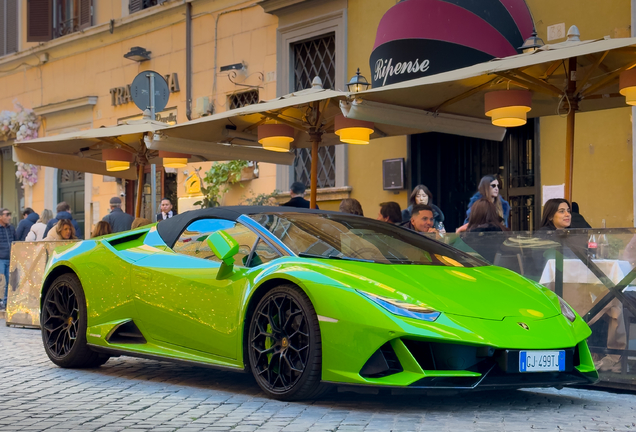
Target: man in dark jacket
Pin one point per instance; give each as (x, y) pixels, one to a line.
(7, 236)
(117, 219)
(578, 221)
(166, 210)
(297, 193)
(63, 212)
(29, 217)
(422, 219)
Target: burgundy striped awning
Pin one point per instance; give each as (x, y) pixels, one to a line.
(416, 38)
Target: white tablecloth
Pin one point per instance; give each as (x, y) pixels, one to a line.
(575, 271)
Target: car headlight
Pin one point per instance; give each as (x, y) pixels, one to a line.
(402, 308)
(566, 310)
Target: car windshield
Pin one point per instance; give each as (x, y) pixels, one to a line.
(359, 239)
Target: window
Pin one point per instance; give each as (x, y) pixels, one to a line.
(137, 5)
(50, 19)
(312, 58)
(239, 100)
(8, 26)
(193, 242)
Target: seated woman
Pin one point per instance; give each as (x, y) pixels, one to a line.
(63, 230)
(102, 228)
(484, 218)
(557, 214)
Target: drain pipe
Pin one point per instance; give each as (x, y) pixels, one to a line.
(188, 48)
(633, 118)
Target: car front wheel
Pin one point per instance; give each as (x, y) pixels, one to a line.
(285, 351)
(63, 322)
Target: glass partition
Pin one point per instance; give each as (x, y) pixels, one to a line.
(592, 269)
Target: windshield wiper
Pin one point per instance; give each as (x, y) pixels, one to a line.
(345, 258)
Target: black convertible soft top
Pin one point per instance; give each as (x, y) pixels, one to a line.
(171, 229)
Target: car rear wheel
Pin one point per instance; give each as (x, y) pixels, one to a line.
(285, 351)
(63, 322)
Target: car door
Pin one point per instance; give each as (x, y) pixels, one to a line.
(179, 299)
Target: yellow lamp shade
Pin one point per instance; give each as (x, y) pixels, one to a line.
(508, 108)
(117, 159)
(627, 86)
(174, 160)
(275, 137)
(117, 165)
(353, 131)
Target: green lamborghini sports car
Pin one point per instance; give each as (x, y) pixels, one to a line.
(305, 299)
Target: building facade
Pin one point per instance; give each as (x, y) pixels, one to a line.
(68, 65)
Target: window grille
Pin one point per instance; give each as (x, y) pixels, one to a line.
(242, 99)
(315, 57)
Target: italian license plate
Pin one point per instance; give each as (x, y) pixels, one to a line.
(541, 361)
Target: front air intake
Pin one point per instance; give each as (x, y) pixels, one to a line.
(382, 363)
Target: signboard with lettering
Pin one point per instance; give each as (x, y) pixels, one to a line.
(122, 95)
(168, 116)
(418, 38)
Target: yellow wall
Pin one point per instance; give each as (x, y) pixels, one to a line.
(602, 164)
(365, 162)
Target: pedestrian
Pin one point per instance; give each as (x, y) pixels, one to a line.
(484, 217)
(390, 212)
(7, 236)
(422, 195)
(422, 219)
(138, 222)
(63, 230)
(37, 230)
(63, 212)
(351, 206)
(488, 188)
(166, 210)
(557, 214)
(117, 219)
(29, 218)
(297, 193)
(578, 221)
(102, 228)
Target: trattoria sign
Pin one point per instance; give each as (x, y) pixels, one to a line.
(121, 95)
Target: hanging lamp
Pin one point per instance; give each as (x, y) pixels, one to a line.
(275, 137)
(627, 86)
(508, 108)
(353, 131)
(117, 159)
(174, 160)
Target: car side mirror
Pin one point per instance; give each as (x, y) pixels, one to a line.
(224, 247)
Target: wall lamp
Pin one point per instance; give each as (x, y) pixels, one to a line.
(138, 54)
(235, 67)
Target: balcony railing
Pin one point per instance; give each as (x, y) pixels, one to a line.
(62, 28)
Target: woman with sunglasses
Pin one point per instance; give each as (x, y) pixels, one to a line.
(489, 189)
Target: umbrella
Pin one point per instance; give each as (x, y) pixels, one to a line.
(564, 78)
(311, 113)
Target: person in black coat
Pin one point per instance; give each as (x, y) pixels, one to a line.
(29, 218)
(117, 219)
(297, 193)
(578, 221)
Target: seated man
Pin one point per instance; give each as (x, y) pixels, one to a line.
(422, 219)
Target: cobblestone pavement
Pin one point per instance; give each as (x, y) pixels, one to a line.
(135, 394)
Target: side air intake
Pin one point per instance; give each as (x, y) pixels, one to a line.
(126, 333)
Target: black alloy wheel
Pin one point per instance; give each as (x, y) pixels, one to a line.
(284, 345)
(63, 322)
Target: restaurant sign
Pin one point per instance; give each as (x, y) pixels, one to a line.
(417, 38)
(121, 95)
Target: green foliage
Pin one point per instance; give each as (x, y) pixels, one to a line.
(262, 199)
(218, 180)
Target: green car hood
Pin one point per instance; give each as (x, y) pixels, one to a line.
(487, 292)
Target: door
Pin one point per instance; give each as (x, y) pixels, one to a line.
(71, 190)
(179, 299)
(451, 166)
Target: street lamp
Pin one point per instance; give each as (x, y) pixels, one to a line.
(531, 44)
(358, 83)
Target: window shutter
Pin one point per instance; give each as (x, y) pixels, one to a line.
(39, 20)
(135, 5)
(12, 26)
(85, 14)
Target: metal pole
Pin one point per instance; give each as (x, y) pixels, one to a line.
(153, 167)
(140, 188)
(315, 142)
(569, 134)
